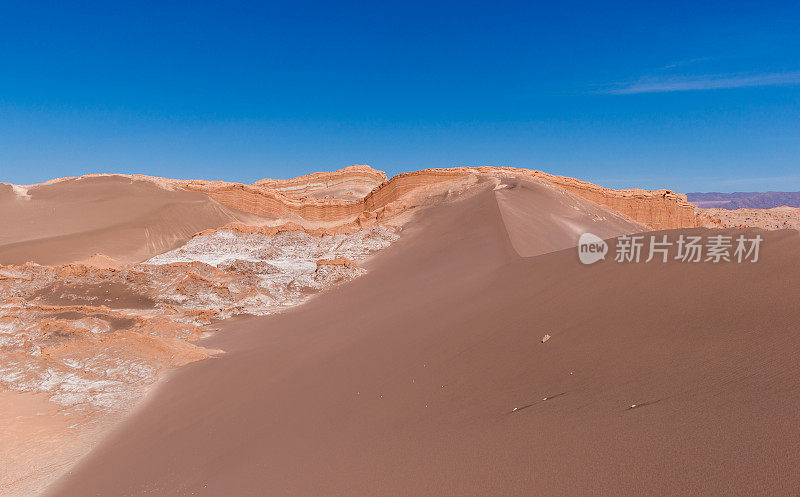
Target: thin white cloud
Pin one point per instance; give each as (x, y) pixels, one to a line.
(706, 82)
(686, 62)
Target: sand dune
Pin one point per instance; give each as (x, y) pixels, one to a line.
(541, 218)
(428, 376)
(126, 219)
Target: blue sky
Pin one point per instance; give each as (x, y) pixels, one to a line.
(696, 96)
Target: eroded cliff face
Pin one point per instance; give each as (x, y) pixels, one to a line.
(657, 209)
(359, 196)
(350, 183)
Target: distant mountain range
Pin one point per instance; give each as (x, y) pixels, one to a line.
(745, 200)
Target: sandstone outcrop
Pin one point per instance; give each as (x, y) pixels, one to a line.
(657, 209)
(350, 183)
(359, 196)
(339, 261)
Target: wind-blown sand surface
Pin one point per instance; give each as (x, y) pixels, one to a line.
(129, 220)
(542, 218)
(405, 381)
(39, 440)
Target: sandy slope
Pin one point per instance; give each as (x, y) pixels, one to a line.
(555, 217)
(404, 381)
(39, 441)
(126, 219)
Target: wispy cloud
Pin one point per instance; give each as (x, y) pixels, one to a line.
(704, 82)
(686, 62)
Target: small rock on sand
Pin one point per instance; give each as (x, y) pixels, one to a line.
(545, 338)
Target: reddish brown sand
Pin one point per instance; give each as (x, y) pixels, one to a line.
(542, 218)
(39, 441)
(404, 382)
(126, 219)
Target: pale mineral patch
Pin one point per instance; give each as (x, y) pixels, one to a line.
(21, 191)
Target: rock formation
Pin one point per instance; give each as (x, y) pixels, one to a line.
(768, 219)
(350, 183)
(658, 209)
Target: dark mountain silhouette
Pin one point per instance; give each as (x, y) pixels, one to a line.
(745, 200)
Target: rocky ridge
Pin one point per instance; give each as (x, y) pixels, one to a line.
(334, 200)
(658, 209)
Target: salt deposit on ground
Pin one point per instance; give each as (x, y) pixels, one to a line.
(94, 337)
